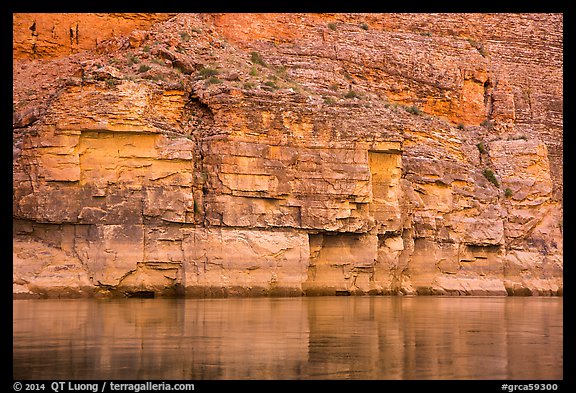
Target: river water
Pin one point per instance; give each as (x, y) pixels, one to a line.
(384, 338)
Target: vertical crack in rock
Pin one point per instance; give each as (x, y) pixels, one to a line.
(200, 123)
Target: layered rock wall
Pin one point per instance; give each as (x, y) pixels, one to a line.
(53, 35)
(289, 154)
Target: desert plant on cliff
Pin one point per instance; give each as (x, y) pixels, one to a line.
(364, 26)
(486, 123)
(481, 148)
(332, 26)
(478, 46)
(132, 60)
(351, 94)
(143, 68)
(271, 84)
(111, 82)
(256, 58)
(413, 109)
(507, 193)
(184, 36)
(461, 126)
(490, 176)
(206, 72)
(155, 77)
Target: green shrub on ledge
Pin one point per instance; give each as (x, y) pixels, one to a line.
(256, 58)
(143, 68)
(481, 148)
(491, 177)
(413, 109)
(207, 72)
(351, 94)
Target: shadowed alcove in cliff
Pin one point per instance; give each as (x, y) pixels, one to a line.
(345, 263)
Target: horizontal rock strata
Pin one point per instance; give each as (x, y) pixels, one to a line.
(324, 154)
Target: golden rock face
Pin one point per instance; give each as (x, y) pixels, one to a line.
(288, 154)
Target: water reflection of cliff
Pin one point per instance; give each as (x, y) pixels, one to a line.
(436, 338)
(295, 338)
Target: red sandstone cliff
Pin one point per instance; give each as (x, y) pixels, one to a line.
(287, 154)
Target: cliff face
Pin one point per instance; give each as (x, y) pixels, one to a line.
(53, 35)
(290, 154)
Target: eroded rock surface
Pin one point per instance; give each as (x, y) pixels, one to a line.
(290, 154)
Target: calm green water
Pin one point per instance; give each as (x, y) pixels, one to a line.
(289, 338)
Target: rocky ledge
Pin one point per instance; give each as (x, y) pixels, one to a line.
(287, 155)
